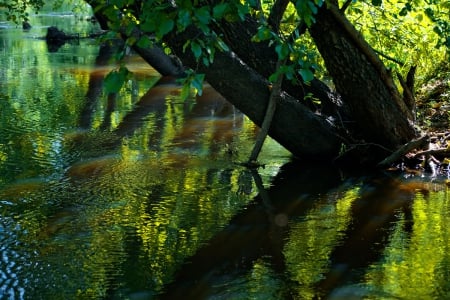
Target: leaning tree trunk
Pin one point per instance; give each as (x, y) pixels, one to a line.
(380, 115)
(361, 79)
(298, 129)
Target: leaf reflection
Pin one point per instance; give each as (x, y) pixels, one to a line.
(416, 263)
(311, 240)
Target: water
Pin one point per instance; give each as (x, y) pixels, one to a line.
(140, 195)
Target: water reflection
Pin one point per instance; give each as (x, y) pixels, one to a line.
(139, 195)
(254, 238)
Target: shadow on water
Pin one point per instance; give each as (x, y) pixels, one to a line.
(258, 231)
(373, 216)
(263, 229)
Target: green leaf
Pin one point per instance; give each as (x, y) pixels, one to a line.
(184, 19)
(129, 28)
(115, 79)
(144, 42)
(282, 51)
(202, 14)
(197, 83)
(148, 25)
(430, 13)
(419, 17)
(220, 10)
(205, 61)
(263, 34)
(438, 29)
(273, 77)
(243, 10)
(196, 49)
(221, 45)
(306, 9)
(164, 27)
(185, 91)
(289, 72)
(253, 3)
(186, 44)
(313, 7)
(306, 74)
(131, 40)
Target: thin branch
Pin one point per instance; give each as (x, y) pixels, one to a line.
(441, 152)
(346, 5)
(398, 62)
(276, 14)
(408, 147)
(274, 95)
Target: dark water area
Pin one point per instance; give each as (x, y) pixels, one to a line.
(140, 195)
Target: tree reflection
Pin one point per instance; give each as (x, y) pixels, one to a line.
(253, 236)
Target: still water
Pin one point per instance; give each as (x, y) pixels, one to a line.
(139, 195)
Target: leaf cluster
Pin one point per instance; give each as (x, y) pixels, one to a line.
(404, 34)
(16, 10)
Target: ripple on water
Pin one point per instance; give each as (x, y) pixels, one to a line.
(12, 261)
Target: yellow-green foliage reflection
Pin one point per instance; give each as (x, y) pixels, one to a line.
(416, 262)
(312, 240)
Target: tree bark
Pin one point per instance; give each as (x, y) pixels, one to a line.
(262, 58)
(361, 81)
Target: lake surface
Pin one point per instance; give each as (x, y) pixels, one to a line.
(139, 195)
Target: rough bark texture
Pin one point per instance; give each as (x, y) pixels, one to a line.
(378, 117)
(263, 58)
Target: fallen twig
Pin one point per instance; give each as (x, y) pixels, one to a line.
(440, 151)
(408, 147)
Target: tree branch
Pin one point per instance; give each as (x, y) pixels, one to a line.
(408, 147)
(407, 94)
(400, 63)
(154, 55)
(276, 14)
(274, 96)
(441, 151)
(346, 5)
(248, 90)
